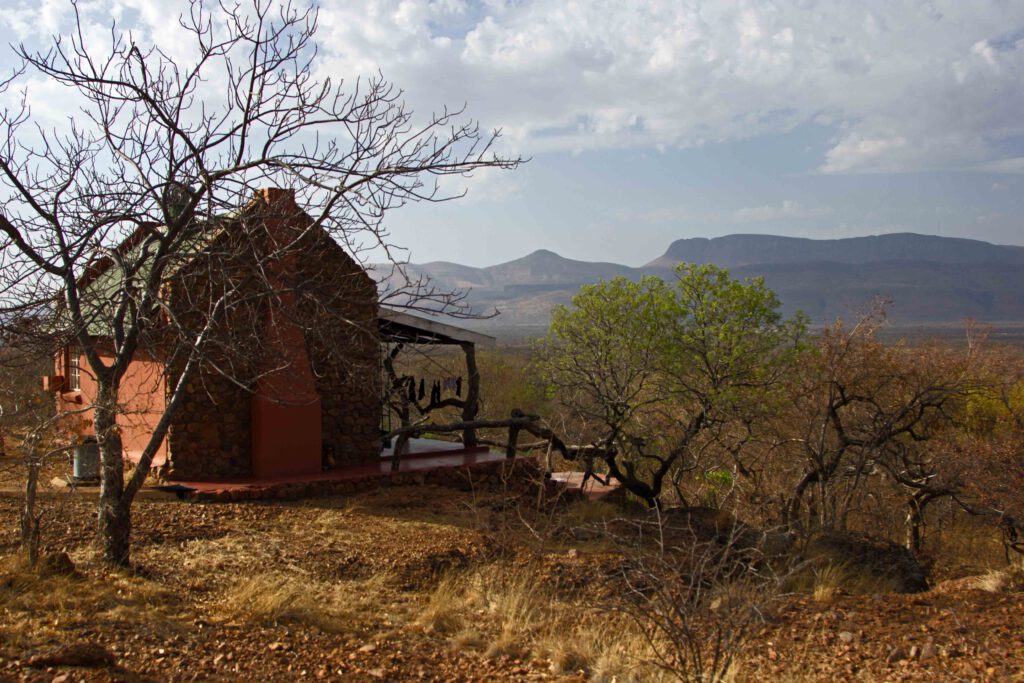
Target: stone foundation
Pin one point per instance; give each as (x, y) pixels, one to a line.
(518, 475)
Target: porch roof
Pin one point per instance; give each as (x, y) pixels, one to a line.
(399, 326)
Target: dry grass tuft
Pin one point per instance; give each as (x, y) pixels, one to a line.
(828, 581)
(585, 512)
(515, 613)
(507, 645)
(1007, 580)
(568, 659)
(23, 588)
(296, 598)
(831, 580)
(442, 614)
(279, 598)
(468, 639)
(601, 647)
(513, 597)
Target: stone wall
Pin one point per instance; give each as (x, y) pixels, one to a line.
(336, 307)
(209, 437)
(344, 350)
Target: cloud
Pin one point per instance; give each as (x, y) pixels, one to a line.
(787, 210)
(1009, 165)
(905, 86)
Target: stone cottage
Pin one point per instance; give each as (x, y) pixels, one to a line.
(291, 384)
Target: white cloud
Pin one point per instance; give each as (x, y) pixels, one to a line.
(1009, 165)
(907, 86)
(787, 210)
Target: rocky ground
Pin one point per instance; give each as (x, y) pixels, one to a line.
(361, 588)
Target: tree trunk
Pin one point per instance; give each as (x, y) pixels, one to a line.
(915, 522)
(471, 407)
(114, 523)
(115, 527)
(916, 505)
(401, 444)
(29, 517)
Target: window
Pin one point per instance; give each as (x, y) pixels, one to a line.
(74, 373)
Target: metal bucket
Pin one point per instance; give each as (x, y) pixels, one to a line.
(87, 460)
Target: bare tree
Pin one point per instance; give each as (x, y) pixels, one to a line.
(697, 589)
(160, 149)
(859, 408)
(29, 425)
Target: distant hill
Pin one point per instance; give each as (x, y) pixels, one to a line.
(542, 267)
(931, 280)
(732, 251)
(921, 292)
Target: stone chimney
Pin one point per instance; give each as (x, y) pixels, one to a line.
(275, 195)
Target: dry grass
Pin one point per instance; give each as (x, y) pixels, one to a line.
(23, 589)
(297, 598)
(602, 647)
(38, 606)
(500, 610)
(827, 582)
(830, 580)
(280, 599)
(442, 614)
(1009, 579)
(585, 512)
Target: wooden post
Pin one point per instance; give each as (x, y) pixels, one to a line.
(400, 443)
(471, 406)
(513, 437)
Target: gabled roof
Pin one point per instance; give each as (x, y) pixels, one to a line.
(101, 280)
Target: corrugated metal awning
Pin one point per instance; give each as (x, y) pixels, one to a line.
(399, 326)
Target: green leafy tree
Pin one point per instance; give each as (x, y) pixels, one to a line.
(652, 369)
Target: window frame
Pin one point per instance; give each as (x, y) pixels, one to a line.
(72, 370)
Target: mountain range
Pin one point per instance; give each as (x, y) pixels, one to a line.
(930, 280)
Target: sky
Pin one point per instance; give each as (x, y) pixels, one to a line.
(647, 122)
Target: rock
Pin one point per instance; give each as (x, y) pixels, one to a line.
(89, 655)
(57, 564)
(369, 647)
(897, 654)
(774, 544)
(915, 652)
(888, 565)
(928, 651)
(846, 637)
(702, 523)
(453, 558)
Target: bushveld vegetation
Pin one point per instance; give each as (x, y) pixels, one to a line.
(872, 466)
(701, 393)
(760, 460)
